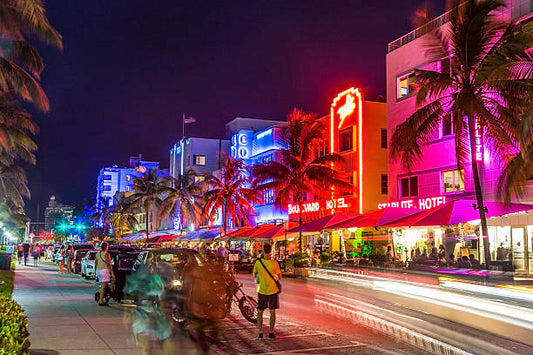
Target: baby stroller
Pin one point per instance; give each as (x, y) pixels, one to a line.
(109, 293)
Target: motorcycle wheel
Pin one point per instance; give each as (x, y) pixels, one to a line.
(248, 306)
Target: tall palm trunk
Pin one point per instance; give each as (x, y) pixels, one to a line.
(147, 223)
(225, 218)
(478, 188)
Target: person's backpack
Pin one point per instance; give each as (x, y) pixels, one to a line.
(208, 292)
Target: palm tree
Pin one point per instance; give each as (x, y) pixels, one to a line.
(102, 215)
(299, 171)
(231, 193)
(13, 185)
(149, 190)
(15, 126)
(121, 216)
(185, 199)
(21, 65)
(472, 95)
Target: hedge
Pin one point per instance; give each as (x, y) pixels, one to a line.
(7, 287)
(13, 328)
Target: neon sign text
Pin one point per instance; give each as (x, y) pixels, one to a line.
(315, 206)
(421, 203)
(345, 110)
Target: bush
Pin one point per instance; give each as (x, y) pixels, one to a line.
(301, 259)
(325, 258)
(7, 287)
(13, 328)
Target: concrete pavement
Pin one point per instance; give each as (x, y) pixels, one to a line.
(64, 318)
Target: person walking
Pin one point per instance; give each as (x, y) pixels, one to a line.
(26, 250)
(69, 254)
(62, 261)
(20, 253)
(267, 274)
(36, 253)
(104, 270)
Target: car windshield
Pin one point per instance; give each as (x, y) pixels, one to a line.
(82, 246)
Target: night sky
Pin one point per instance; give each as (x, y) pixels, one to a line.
(130, 68)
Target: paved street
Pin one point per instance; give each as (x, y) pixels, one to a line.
(316, 317)
(64, 319)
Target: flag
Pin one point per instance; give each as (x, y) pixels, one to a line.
(188, 119)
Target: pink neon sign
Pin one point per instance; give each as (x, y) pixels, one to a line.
(421, 203)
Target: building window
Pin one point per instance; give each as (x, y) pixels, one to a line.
(107, 187)
(346, 139)
(444, 66)
(406, 85)
(384, 184)
(266, 158)
(409, 186)
(199, 160)
(128, 177)
(384, 138)
(453, 180)
(127, 189)
(268, 197)
(107, 177)
(447, 126)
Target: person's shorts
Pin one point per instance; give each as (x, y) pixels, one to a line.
(267, 301)
(103, 275)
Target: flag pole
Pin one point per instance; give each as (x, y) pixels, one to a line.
(183, 125)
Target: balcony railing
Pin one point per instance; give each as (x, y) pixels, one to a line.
(517, 9)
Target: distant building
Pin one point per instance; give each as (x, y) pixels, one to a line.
(199, 154)
(258, 141)
(114, 179)
(56, 213)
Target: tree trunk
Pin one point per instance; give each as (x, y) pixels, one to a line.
(147, 224)
(224, 218)
(479, 190)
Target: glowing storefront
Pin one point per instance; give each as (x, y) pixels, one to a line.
(437, 173)
(358, 132)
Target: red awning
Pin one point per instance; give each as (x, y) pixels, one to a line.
(457, 211)
(271, 233)
(375, 218)
(324, 222)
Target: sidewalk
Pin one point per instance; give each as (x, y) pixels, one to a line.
(63, 316)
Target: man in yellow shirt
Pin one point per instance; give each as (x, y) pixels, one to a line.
(267, 289)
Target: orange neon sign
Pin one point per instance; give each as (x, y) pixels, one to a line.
(347, 111)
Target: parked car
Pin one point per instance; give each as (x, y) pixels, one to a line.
(87, 264)
(241, 260)
(78, 255)
(152, 245)
(178, 257)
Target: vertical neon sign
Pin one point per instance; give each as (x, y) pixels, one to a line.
(347, 110)
(479, 144)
